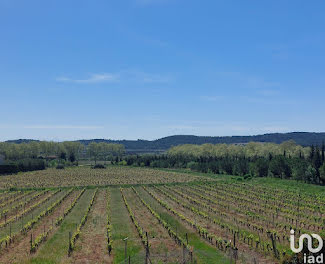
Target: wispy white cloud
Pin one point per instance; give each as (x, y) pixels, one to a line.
(93, 78)
(225, 128)
(122, 76)
(61, 127)
(267, 100)
(182, 127)
(276, 129)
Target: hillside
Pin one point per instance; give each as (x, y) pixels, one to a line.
(162, 144)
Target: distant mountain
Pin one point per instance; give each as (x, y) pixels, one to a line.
(19, 141)
(162, 144)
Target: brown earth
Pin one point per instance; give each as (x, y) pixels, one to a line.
(244, 250)
(20, 249)
(91, 247)
(162, 247)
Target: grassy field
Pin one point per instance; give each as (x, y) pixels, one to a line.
(160, 215)
(86, 176)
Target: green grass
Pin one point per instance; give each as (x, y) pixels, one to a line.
(56, 248)
(17, 225)
(204, 252)
(288, 184)
(122, 227)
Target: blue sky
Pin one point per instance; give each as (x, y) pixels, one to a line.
(152, 68)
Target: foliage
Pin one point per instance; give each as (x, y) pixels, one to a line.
(162, 144)
(287, 160)
(99, 166)
(60, 167)
(63, 151)
(22, 165)
(104, 150)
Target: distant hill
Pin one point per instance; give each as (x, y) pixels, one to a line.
(19, 141)
(162, 144)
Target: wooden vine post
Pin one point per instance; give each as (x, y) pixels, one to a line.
(147, 249)
(31, 242)
(70, 246)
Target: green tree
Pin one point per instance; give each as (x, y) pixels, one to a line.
(299, 169)
(311, 175)
(322, 173)
(94, 150)
(261, 167)
(280, 168)
(73, 149)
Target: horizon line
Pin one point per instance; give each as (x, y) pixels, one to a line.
(139, 139)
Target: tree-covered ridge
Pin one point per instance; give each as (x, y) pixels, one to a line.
(162, 144)
(301, 138)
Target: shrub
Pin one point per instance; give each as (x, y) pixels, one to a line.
(52, 164)
(123, 163)
(260, 168)
(247, 177)
(22, 165)
(99, 166)
(7, 169)
(30, 164)
(60, 167)
(192, 165)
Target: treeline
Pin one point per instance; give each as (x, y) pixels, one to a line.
(36, 155)
(67, 150)
(22, 165)
(104, 151)
(287, 160)
(41, 149)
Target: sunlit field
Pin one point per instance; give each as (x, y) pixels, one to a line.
(159, 216)
(86, 176)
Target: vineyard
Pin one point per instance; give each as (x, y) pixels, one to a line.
(153, 216)
(85, 176)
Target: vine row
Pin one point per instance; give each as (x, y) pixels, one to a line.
(141, 233)
(77, 233)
